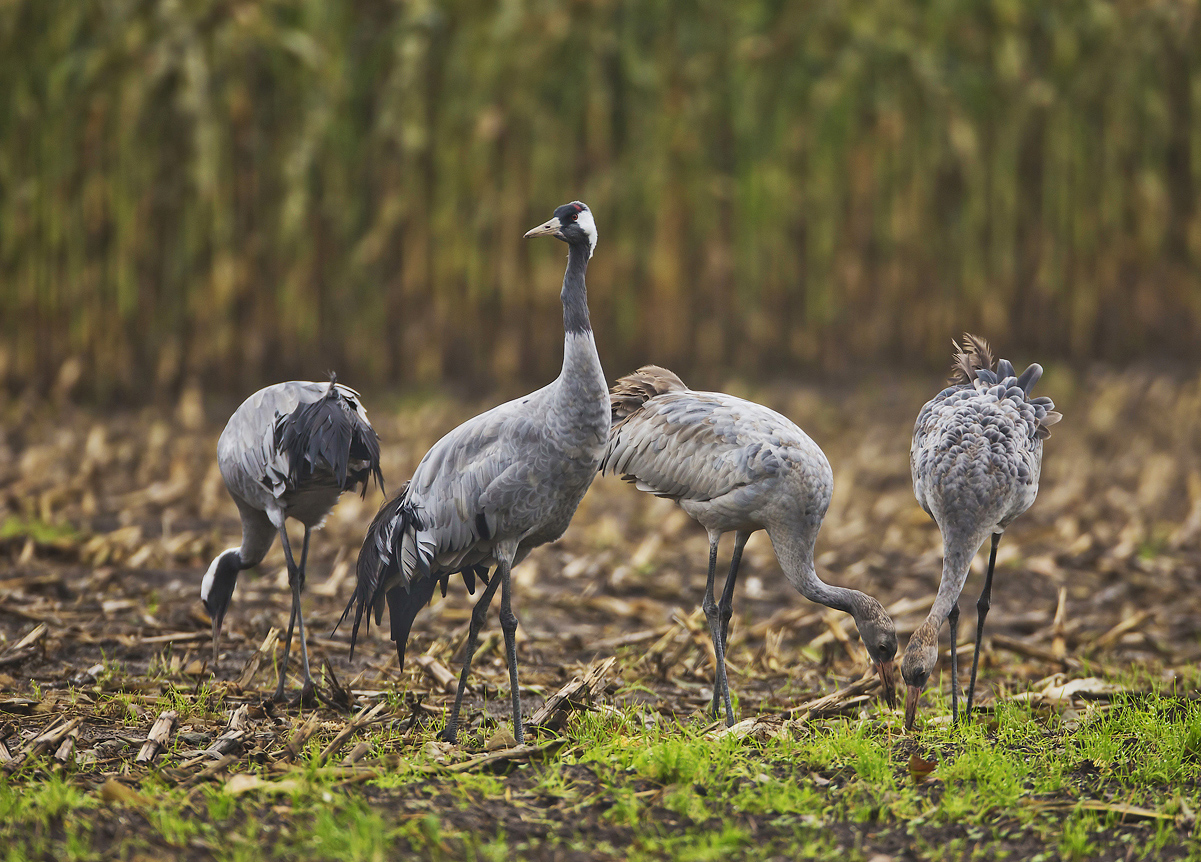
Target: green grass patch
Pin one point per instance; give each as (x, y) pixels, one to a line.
(15, 527)
(1020, 783)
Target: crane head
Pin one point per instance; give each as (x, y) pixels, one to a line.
(217, 589)
(573, 223)
(879, 636)
(916, 666)
(881, 644)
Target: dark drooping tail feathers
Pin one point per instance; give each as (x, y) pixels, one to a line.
(392, 558)
(403, 607)
(375, 559)
(974, 359)
(405, 604)
(330, 433)
(394, 568)
(632, 391)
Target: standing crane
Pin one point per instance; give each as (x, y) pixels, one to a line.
(289, 451)
(497, 486)
(734, 465)
(976, 456)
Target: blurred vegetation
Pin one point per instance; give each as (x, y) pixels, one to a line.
(236, 191)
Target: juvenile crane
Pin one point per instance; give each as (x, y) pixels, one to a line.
(497, 486)
(976, 456)
(289, 451)
(734, 465)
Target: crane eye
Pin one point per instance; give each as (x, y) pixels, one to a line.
(575, 217)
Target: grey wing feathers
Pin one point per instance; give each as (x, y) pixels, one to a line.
(467, 488)
(1030, 376)
(978, 443)
(246, 452)
(698, 445)
(476, 482)
(258, 469)
(1044, 406)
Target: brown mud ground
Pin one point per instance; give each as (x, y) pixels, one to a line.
(107, 522)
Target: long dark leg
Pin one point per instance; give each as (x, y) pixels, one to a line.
(721, 687)
(953, 619)
(294, 581)
(478, 614)
(307, 687)
(725, 607)
(508, 624)
(283, 667)
(982, 606)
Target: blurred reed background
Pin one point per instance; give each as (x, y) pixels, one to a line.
(234, 192)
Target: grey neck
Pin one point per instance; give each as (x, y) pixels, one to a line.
(794, 550)
(257, 537)
(956, 560)
(575, 295)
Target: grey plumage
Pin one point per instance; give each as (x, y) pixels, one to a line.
(734, 465)
(497, 486)
(975, 460)
(289, 451)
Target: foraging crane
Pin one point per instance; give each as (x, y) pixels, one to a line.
(497, 486)
(736, 465)
(289, 451)
(976, 456)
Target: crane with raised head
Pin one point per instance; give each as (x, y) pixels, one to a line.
(976, 457)
(499, 485)
(289, 451)
(736, 466)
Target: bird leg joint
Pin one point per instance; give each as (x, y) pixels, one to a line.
(479, 614)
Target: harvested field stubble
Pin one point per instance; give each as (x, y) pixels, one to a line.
(112, 712)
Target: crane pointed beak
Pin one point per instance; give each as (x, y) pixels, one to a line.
(216, 636)
(912, 694)
(888, 682)
(216, 610)
(549, 228)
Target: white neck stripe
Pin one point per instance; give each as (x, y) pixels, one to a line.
(588, 224)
